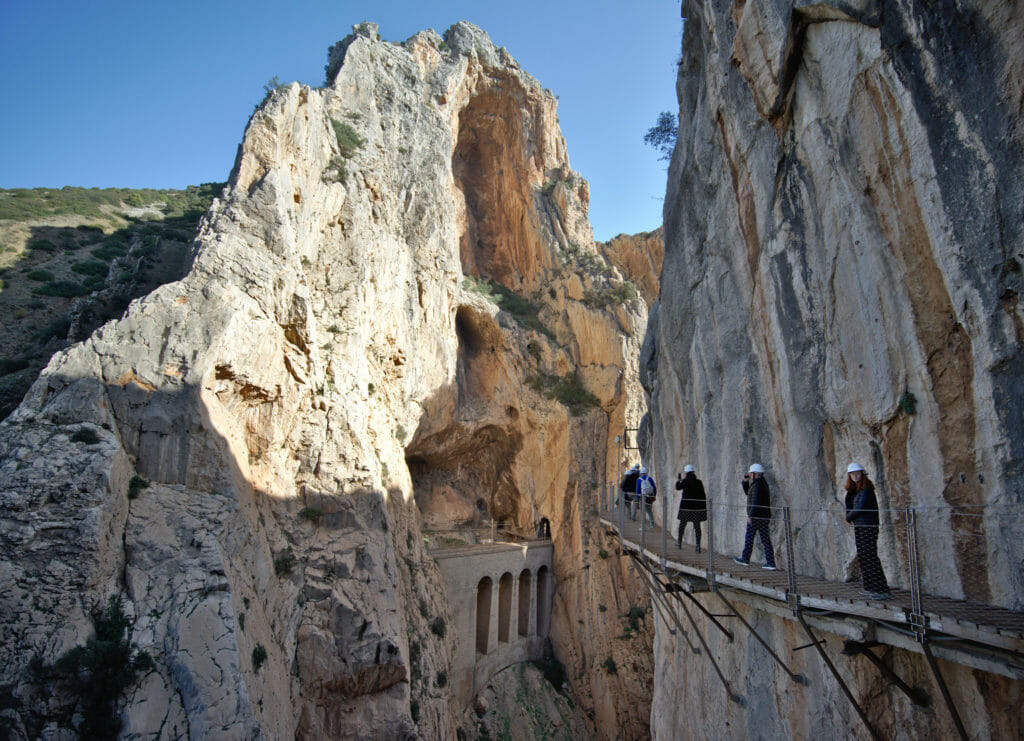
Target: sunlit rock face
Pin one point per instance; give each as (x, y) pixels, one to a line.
(322, 387)
(843, 253)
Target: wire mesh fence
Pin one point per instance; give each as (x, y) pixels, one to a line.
(973, 553)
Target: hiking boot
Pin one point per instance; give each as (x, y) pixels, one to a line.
(741, 562)
(881, 596)
(770, 567)
(698, 549)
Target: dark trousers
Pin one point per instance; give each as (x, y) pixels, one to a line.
(866, 538)
(682, 529)
(759, 526)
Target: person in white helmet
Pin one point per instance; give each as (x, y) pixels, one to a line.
(647, 492)
(693, 504)
(759, 513)
(628, 486)
(862, 513)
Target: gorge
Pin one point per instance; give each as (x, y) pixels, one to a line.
(394, 341)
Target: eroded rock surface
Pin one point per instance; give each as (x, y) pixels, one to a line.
(323, 368)
(844, 240)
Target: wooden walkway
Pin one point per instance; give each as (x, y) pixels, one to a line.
(989, 625)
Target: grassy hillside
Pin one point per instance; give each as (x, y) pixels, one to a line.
(73, 258)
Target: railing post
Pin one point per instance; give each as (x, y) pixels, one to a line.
(711, 547)
(622, 512)
(664, 532)
(642, 501)
(793, 597)
(917, 619)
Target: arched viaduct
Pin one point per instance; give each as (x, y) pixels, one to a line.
(501, 596)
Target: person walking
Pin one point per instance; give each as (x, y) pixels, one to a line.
(693, 504)
(862, 513)
(759, 513)
(628, 486)
(646, 491)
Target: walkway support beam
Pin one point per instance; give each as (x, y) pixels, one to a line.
(835, 673)
(792, 675)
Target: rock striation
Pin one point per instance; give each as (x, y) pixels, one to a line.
(393, 318)
(843, 250)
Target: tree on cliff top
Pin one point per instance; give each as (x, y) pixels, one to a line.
(662, 136)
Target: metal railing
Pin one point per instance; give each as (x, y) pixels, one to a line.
(969, 553)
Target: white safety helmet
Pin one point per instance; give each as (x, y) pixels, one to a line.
(854, 467)
(689, 469)
(756, 468)
(643, 469)
(636, 467)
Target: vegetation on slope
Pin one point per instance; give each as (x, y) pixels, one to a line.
(71, 259)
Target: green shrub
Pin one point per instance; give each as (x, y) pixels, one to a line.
(42, 245)
(312, 514)
(438, 627)
(136, 486)
(12, 365)
(259, 656)
(568, 390)
(86, 436)
(349, 142)
(57, 328)
(610, 666)
(553, 671)
(442, 679)
(908, 403)
(99, 672)
(284, 564)
(524, 311)
(335, 172)
(40, 276)
(90, 267)
(62, 289)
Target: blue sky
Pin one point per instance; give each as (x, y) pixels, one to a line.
(112, 93)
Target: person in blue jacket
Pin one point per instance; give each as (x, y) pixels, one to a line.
(862, 513)
(647, 492)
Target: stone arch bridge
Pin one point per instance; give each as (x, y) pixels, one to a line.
(501, 595)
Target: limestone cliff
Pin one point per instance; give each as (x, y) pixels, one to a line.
(639, 257)
(843, 250)
(393, 315)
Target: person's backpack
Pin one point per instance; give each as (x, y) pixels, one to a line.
(647, 489)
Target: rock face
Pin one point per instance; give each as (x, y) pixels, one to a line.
(843, 250)
(334, 357)
(639, 256)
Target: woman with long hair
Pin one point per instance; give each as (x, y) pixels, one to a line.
(862, 513)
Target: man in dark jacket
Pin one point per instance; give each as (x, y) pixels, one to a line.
(628, 486)
(693, 504)
(759, 513)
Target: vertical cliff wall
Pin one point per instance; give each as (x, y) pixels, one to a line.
(844, 243)
(394, 315)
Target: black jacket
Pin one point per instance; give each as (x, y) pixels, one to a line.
(693, 507)
(628, 484)
(862, 507)
(759, 499)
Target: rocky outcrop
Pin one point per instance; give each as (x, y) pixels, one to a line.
(639, 257)
(843, 250)
(396, 302)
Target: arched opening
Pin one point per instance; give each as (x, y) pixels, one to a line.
(483, 614)
(525, 592)
(504, 607)
(543, 600)
(544, 528)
